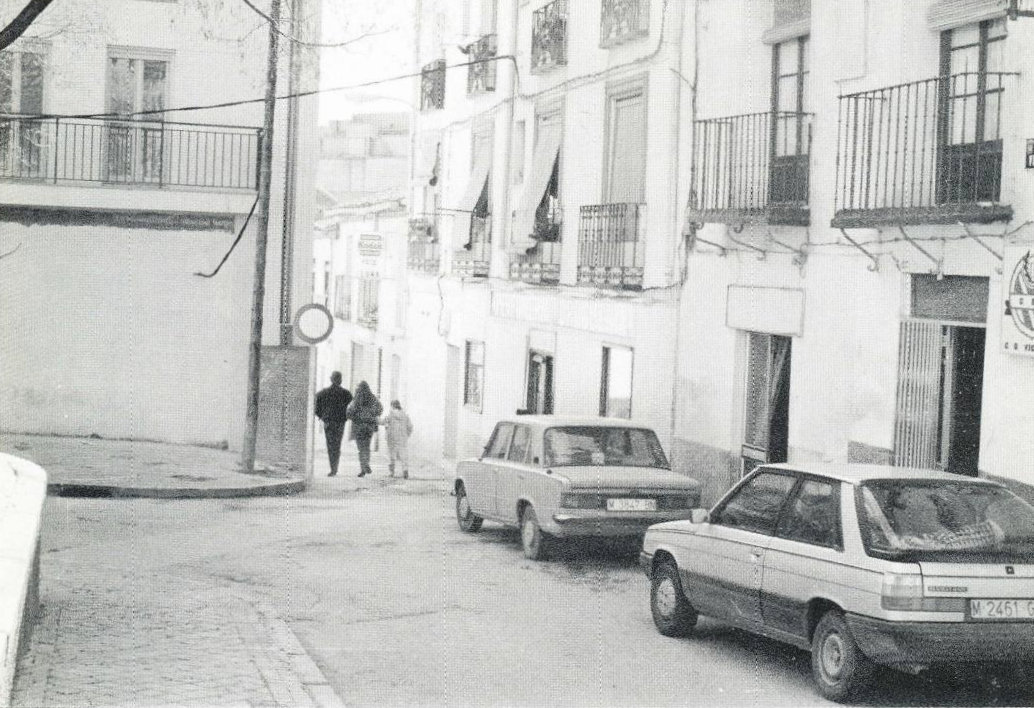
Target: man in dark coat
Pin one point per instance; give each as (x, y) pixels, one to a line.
(332, 408)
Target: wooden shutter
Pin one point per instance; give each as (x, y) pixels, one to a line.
(919, 398)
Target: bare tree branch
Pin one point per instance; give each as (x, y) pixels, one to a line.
(16, 28)
(302, 42)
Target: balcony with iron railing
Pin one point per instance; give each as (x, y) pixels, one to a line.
(925, 152)
(473, 259)
(432, 86)
(549, 36)
(623, 20)
(128, 152)
(368, 302)
(751, 167)
(611, 245)
(540, 264)
(423, 253)
(481, 70)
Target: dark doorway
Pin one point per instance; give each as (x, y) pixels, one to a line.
(540, 383)
(963, 399)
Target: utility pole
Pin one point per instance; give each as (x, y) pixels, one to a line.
(261, 239)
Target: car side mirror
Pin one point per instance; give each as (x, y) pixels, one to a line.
(699, 516)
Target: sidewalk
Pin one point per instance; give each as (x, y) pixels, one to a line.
(96, 467)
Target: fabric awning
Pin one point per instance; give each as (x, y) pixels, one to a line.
(546, 151)
(478, 177)
(428, 157)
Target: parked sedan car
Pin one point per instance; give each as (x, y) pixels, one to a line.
(862, 564)
(557, 477)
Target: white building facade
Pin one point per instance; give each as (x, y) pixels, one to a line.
(544, 231)
(115, 200)
(856, 222)
(670, 211)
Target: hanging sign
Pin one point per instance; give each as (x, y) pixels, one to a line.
(1018, 322)
(370, 247)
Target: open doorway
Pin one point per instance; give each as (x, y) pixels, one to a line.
(766, 400)
(540, 383)
(940, 391)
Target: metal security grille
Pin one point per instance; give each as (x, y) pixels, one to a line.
(549, 36)
(917, 421)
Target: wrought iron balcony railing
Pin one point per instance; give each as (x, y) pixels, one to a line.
(481, 73)
(473, 260)
(156, 153)
(926, 152)
(368, 303)
(622, 20)
(432, 86)
(423, 251)
(751, 167)
(540, 265)
(611, 247)
(549, 36)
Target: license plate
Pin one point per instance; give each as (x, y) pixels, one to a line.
(631, 505)
(1001, 609)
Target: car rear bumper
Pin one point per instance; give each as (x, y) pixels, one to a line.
(582, 522)
(941, 642)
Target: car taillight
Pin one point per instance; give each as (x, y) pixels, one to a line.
(579, 501)
(905, 592)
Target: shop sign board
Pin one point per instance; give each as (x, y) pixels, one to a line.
(1018, 320)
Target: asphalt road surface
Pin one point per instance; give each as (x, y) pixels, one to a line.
(397, 606)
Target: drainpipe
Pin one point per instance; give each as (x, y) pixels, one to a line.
(290, 175)
(680, 189)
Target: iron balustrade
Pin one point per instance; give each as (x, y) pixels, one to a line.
(423, 253)
(752, 166)
(611, 247)
(621, 20)
(481, 73)
(432, 86)
(923, 152)
(473, 259)
(539, 265)
(549, 36)
(369, 302)
(158, 153)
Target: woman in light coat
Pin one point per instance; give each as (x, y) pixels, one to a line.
(397, 429)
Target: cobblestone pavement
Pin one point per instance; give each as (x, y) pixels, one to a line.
(150, 641)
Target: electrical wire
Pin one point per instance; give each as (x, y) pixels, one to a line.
(305, 43)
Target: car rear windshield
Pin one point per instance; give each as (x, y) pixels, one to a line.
(596, 445)
(945, 520)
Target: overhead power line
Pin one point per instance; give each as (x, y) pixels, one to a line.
(251, 101)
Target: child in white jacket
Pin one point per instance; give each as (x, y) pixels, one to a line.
(397, 429)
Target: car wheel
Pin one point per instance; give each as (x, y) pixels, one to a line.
(672, 612)
(534, 540)
(839, 667)
(467, 519)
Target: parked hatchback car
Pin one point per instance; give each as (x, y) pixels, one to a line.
(556, 477)
(861, 564)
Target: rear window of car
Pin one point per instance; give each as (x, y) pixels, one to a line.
(943, 520)
(571, 446)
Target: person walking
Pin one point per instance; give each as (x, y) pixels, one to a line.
(364, 411)
(332, 410)
(397, 429)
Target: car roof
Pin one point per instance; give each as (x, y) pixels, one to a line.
(554, 421)
(856, 473)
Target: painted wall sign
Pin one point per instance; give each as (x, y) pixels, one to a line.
(370, 247)
(1018, 320)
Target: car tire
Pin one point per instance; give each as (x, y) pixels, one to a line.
(839, 667)
(672, 612)
(534, 541)
(465, 517)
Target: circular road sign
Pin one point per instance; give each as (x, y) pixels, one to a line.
(313, 323)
